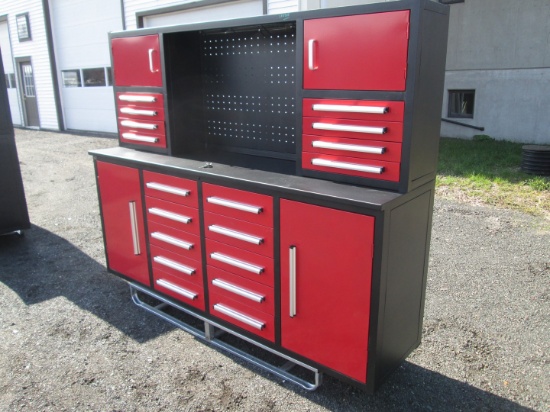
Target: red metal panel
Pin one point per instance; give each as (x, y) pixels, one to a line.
(392, 151)
(240, 197)
(333, 281)
(136, 61)
(163, 282)
(394, 113)
(172, 182)
(118, 187)
(157, 252)
(389, 172)
(236, 228)
(393, 131)
(215, 275)
(171, 239)
(362, 52)
(176, 216)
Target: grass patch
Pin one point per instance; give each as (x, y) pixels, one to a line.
(487, 171)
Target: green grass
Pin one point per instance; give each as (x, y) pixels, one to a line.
(488, 171)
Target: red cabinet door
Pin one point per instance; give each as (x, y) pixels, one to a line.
(328, 319)
(136, 61)
(361, 52)
(122, 214)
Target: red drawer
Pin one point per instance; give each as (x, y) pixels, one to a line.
(240, 262)
(178, 288)
(243, 290)
(354, 129)
(178, 216)
(144, 106)
(176, 265)
(351, 166)
(182, 243)
(339, 146)
(238, 233)
(247, 318)
(238, 204)
(390, 111)
(171, 188)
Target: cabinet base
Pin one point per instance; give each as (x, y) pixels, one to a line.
(213, 334)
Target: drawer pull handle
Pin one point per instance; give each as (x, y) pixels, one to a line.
(347, 166)
(292, 280)
(172, 240)
(169, 215)
(234, 205)
(239, 316)
(311, 55)
(177, 289)
(174, 265)
(168, 189)
(350, 109)
(350, 128)
(138, 112)
(137, 138)
(348, 147)
(138, 125)
(134, 228)
(237, 263)
(136, 98)
(236, 235)
(237, 290)
(151, 67)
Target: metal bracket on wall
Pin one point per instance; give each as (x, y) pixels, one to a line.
(213, 332)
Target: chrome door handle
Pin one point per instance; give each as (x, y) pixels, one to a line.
(151, 67)
(348, 147)
(311, 55)
(234, 205)
(170, 215)
(237, 290)
(137, 138)
(174, 265)
(237, 263)
(177, 289)
(168, 189)
(139, 125)
(292, 280)
(137, 98)
(236, 235)
(172, 240)
(349, 128)
(134, 227)
(347, 166)
(142, 112)
(350, 109)
(239, 316)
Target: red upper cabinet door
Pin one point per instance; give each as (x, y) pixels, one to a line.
(136, 61)
(360, 52)
(326, 268)
(122, 214)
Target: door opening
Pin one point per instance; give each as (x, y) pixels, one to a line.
(28, 94)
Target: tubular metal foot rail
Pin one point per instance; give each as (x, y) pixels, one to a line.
(212, 331)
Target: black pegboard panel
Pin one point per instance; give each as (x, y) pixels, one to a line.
(249, 78)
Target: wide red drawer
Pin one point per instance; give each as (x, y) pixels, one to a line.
(372, 169)
(142, 100)
(238, 233)
(238, 204)
(340, 146)
(171, 188)
(178, 216)
(243, 290)
(178, 288)
(176, 265)
(177, 241)
(354, 129)
(241, 262)
(390, 111)
(247, 318)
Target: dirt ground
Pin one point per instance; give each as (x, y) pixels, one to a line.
(71, 339)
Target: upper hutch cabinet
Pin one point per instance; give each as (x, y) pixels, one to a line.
(136, 61)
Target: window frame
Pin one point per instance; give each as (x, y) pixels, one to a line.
(460, 114)
(22, 21)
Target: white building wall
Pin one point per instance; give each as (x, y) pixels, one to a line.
(7, 59)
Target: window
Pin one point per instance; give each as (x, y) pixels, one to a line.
(71, 78)
(94, 77)
(109, 76)
(10, 80)
(23, 28)
(461, 103)
(451, 1)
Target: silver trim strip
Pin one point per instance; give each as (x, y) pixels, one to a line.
(237, 263)
(134, 227)
(161, 260)
(137, 138)
(236, 235)
(320, 107)
(349, 128)
(347, 166)
(237, 290)
(168, 189)
(169, 215)
(292, 280)
(172, 240)
(137, 98)
(138, 112)
(239, 316)
(138, 125)
(348, 147)
(234, 205)
(177, 289)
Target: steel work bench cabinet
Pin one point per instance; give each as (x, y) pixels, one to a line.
(275, 179)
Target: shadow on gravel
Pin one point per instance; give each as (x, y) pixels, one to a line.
(40, 265)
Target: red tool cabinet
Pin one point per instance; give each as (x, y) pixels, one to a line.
(275, 179)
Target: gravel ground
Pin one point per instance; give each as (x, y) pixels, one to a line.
(70, 338)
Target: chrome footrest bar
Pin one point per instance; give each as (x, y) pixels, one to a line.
(211, 332)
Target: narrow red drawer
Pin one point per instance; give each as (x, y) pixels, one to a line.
(141, 100)
(171, 188)
(238, 233)
(372, 169)
(130, 111)
(340, 146)
(390, 111)
(178, 288)
(238, 204)
(176, 265)
(177, 241)
(354, 129)
(178, 216)
(247, 318)
(252, 266)
(243, 290)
